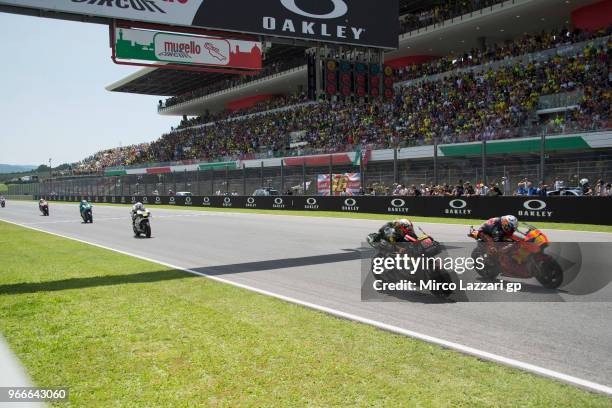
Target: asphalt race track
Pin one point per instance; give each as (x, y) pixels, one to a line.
(316, 260)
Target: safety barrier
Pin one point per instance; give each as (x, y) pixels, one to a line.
(579, 210)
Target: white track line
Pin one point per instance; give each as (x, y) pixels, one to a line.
(566, 378)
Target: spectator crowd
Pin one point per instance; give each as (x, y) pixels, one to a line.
(461, 107)
(444, 10)
(491, 189)
(526, 44)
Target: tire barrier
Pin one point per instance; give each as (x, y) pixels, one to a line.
(578, 210)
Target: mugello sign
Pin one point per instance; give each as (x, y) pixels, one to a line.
(144, 45)
(356, 22)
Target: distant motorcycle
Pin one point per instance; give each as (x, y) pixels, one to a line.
(44, 209)
(2, 203)
(87, 214)
(426, 246)
(141, 224)
(523, 257)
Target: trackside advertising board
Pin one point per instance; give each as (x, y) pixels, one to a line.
(357, 22)
(579, 210)
(144, 45)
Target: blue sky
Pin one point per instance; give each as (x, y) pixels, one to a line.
(53, 103)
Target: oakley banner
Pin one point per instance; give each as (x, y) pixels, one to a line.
(579, 210)
(373, 24)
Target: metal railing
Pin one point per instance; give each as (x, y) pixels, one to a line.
(504, 170)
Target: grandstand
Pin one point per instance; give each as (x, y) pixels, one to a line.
(465, 72)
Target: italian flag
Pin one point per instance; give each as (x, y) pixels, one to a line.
(361, 156)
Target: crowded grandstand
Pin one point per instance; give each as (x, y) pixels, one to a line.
(546, 75)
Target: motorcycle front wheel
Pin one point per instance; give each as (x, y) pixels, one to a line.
(147, 229)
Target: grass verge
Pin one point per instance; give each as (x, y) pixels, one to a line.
(119, 331)
(366, 216)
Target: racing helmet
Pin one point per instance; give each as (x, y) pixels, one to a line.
(509, 223)
(139, 207)
(83, 202)
(405, 225)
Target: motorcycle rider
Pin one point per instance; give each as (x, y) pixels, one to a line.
(2, 199)
(83, 206)
(135, 208)
(395, 232)
(499, 229)
(585, 187)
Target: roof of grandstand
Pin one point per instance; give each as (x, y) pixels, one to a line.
(170, 82)
(498, 22)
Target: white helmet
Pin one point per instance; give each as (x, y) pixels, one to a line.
(584, 182)
(139, 207)
(509, 223)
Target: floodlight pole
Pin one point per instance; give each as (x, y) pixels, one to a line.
(50, 177)
(435, 161)
(484, 162)
(542, 156)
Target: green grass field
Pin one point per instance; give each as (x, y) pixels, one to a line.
(119, 331)
(364, 216)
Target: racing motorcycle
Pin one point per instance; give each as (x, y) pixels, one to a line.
(2, 202)
(141, 224)
(523, 257)
(87, 214)
(44, 209)
(425, 245)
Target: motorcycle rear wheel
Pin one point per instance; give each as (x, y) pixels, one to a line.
(549, 273)
(441, 277)
(491, 269)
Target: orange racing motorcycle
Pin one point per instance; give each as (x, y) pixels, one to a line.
(523, 257)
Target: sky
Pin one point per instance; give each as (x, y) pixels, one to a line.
(53, 101)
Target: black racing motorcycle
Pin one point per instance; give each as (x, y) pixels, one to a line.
(141, 224)
(87, 214)
(425, 246)
(44, 209)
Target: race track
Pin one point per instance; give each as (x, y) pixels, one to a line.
(315, 260)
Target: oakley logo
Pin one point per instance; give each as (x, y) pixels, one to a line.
(250, 200)
(278, 201)
(206, 200)
(458, 204)
(340, 9)
(398, 203)
(534, 205)
(227, 200)
(171, 200)
(350, 202)
(187, 200)
(311, 201)
(157, 199)
(145, 200)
